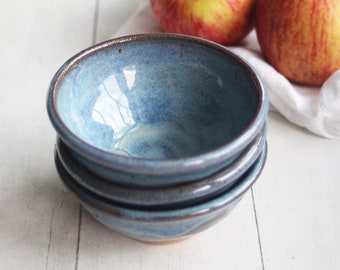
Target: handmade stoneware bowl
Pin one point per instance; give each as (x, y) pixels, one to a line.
(156, 110)
(172, 197)
(167, 225)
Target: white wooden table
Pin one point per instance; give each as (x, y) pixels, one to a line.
(289, 220)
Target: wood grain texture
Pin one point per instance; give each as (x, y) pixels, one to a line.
(290, 220)
(38, 217)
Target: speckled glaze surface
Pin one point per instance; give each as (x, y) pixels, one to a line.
(156, 109)
(166, 197)
(163, 226)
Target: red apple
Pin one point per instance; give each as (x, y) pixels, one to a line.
(223, 21)
(300, 38)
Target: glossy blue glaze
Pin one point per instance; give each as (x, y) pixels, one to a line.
(166, 197)
(163, 226)
(156, 109)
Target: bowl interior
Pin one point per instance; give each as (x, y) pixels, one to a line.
(156, 98)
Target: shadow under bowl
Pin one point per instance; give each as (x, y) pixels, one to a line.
(164, 198)
(156, 110)
(162, 226)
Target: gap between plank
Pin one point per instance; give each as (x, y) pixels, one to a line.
(95, 22)
(78, 238)
(257, 228)
(50, 238)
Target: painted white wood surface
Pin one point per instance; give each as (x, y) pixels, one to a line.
(42, 225)
(298, 200)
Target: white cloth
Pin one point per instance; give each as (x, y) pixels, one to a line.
(316, 109)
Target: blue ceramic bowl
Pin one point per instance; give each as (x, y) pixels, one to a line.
(156, 109)
(167, 197)
(163, 226)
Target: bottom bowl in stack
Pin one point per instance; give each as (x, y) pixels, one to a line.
(162, 226)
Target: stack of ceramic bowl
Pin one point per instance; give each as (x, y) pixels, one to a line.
(159, 135)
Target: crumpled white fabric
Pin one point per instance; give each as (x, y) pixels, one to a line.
(316, 109)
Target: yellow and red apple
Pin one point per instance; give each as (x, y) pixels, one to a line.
(222, 21)
(300, 38)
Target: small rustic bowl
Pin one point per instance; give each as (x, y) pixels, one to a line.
(166, 197)
(162, 226)
(156, 110)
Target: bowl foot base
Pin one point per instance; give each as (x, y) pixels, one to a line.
(161, 243)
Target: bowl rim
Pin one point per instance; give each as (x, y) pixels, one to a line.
(99, 203)
(147, 165)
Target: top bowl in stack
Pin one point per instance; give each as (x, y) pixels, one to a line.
(156, 110)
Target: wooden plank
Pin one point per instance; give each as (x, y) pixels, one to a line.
(38, 217)
(298, 200)
(111, 15)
